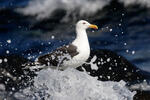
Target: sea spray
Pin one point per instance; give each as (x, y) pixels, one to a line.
(73, 85)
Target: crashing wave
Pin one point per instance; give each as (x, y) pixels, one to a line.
(42, 9)
(73, 85)
(145, 3)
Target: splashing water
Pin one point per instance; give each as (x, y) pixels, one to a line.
(73, 85)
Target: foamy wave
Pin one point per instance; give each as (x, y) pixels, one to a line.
(73, 85)
(44, 8)
(133, 2)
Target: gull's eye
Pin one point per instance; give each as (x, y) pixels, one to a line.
(84, 23)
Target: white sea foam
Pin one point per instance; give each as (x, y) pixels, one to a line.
(145, 86)
(73, 85)
(44, 8)
(132, 2)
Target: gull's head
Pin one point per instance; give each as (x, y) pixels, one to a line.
(82, 24)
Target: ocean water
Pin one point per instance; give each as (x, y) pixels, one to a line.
(33, 27)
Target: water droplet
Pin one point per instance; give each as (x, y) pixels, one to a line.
(110, 30)
(8, 41)
(7, 51)
(127, 51)
(5, 60)
(133, 52)
(1, 60)
(52, 37)
(125, 43)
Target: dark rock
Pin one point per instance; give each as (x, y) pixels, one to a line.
(113, 67)
(11, 73)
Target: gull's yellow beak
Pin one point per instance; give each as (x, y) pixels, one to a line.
(93, 26)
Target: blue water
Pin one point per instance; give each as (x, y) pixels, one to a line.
(123, 30)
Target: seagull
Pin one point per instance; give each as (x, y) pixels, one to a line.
(71, 55)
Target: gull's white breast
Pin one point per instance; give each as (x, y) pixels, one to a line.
(78, 60)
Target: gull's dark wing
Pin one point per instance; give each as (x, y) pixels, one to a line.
(57, 57)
